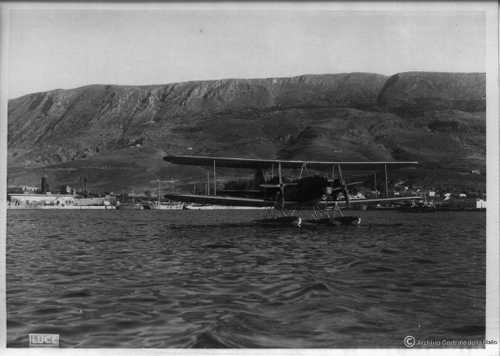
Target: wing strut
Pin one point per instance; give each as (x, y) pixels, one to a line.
(340, 173)
(304, 166)
(282, 187)
(215, 181)
(159, 194)
(386, 182)
(208, 181)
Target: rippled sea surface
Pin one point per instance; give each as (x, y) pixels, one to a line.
(212, 279)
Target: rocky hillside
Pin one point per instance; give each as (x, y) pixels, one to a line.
(116, 135)
(415, 93)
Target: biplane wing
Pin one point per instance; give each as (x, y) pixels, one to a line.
(219, 200)
(252, 163)
(313, 192)
(369, 201)
(235, 201)
(322, 204)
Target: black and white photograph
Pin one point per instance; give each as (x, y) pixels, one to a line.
(250, 175)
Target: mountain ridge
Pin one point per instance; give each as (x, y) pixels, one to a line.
(361, 116)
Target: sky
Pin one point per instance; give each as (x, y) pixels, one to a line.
(67, 48)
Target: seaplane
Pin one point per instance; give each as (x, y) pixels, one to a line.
(320, 188)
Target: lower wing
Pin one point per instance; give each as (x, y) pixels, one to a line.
(236, 201)
(369, 201)
(219, 200)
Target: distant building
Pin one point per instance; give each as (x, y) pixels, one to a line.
(22, 189)
(40, 199)
(480, 204)
(60, 200)
(29, 189)
(65, 189)
(14, 190)
(91, 201)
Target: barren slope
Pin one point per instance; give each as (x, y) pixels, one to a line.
(116, 135)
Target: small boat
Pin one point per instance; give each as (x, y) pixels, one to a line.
(195, 206)
(168, 206)
(130, 206)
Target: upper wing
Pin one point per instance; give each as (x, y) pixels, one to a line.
(219, 200)
(232, 162)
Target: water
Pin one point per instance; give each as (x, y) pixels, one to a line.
(200, 279)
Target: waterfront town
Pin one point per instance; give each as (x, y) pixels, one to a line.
(67, 197)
